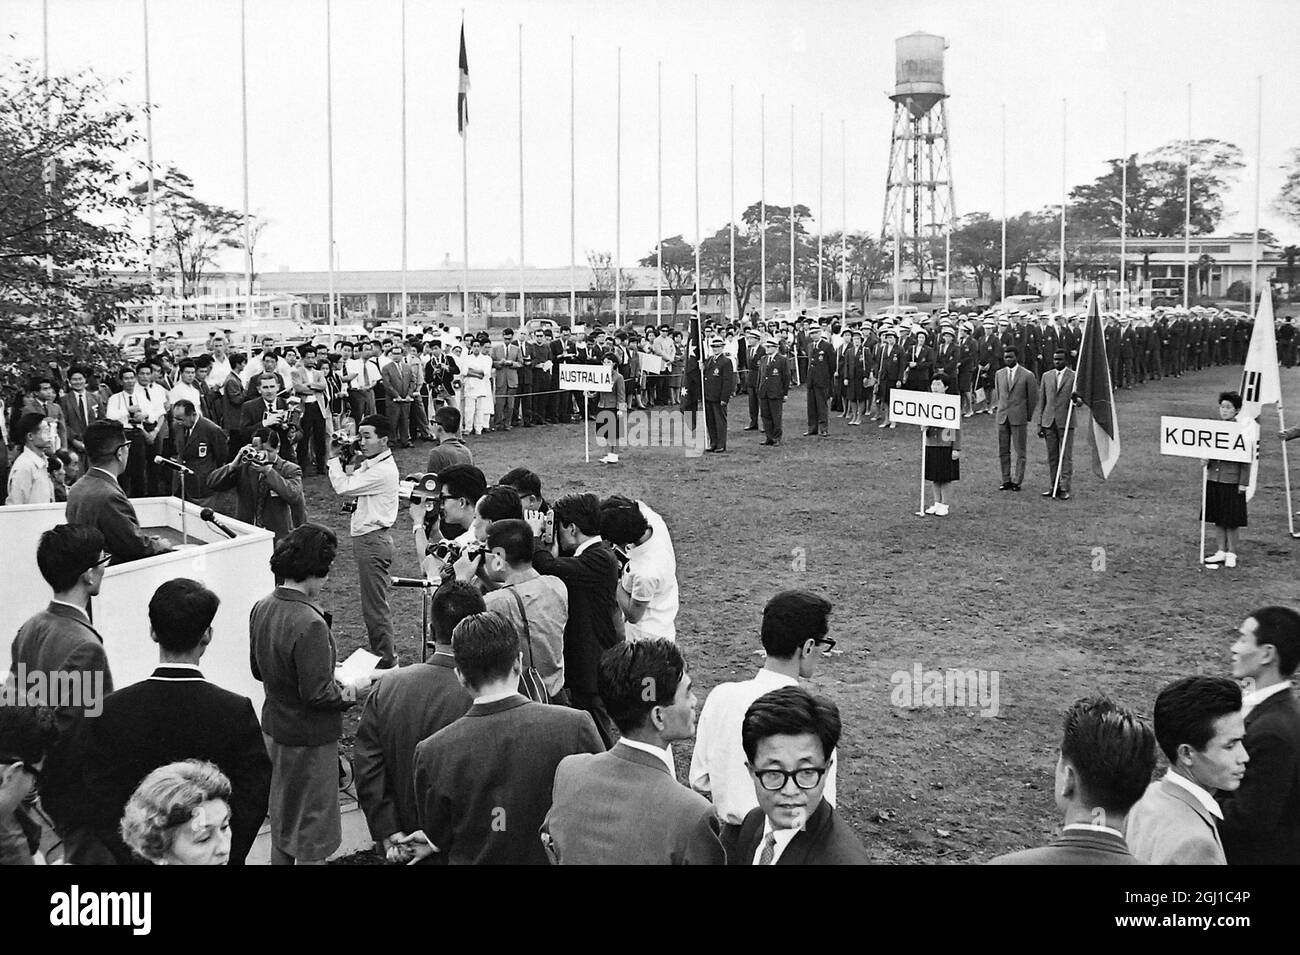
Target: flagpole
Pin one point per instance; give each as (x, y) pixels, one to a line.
(618, 191)
(659, 194)
(1187, 209)
(405, 308)
(821, 202)
(243, 116)
(48, 166)
(1064, 187)
(522, 297)
(1069, 411)
(329, 161)
(1002, 288)
(1205, 474)
(1123, 210)
(573, 243)
(898, 236)
(700, 436)
(464, 200)
(947, 264)
(844, 224)
(148, 147)
(791, 295)
(731, 214)
(762, 209)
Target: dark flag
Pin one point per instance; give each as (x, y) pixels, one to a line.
(1092, 387)
(462, 96)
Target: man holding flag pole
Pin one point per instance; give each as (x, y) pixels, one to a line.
(1092, 387)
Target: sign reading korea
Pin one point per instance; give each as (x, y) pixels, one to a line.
(586, 378)
(925, 408)
(1205, 438)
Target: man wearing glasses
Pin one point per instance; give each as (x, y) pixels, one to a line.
(26, 734)
(795, 623)
(789, 737)
(97, 498)
(58, 649)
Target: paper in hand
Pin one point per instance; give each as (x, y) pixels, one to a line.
(358, 665)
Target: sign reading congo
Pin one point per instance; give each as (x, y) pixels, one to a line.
(586, 378)
(925, 408)
(1205, 438)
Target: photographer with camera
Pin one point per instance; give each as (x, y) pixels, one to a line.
(367, 476)
(459, 489)
(269, 409)
(647, 591)
(268, 488)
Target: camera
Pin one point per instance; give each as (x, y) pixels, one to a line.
(449, 552)
(418, 488)
(256, 455)
(349, 445)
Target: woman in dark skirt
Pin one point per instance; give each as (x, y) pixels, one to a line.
(942, 455)
(1225, 489)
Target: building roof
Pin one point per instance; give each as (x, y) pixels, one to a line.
(536, 281)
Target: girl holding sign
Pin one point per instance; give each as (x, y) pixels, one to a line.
(942, 454)
(1226, 483)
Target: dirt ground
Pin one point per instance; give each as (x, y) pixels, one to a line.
(1102, 592)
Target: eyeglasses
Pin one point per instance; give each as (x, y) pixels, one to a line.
(826, 642)
(104, 558)
(774, 780)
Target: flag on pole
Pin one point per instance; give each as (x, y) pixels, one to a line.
(1260, 384)
(1092, 387)
(462, 96)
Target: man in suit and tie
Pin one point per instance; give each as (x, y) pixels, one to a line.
(483, 784)
(753, 351)
(173, 715)
(1055, 393)
(590, 571)
(1015, 395)
(268, 410)
(1106, 760)
(198, 444)
(1261, 819)
(401, 389)
(60, 644)
(789, 737)
(719, 385)
(626, 807)
(42, 401)
(405, 706)
(80, 406)
(97, 499)
(773, 385)
(1200, 730)
(821, 372)
(507, 362)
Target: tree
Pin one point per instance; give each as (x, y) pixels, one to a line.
(678, 268)
(977, 246)
(256, 226)
(65, 255)
(602, 278)
(778, 243)
(715, 263)
(1287, 202)
(1157, 192)
(192, 231)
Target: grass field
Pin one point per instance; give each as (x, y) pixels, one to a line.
(1008, 582)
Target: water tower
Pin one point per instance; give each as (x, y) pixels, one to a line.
(918, 192)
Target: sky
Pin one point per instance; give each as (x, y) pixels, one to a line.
(832, 61)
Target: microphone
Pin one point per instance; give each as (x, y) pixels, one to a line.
(413, 582)
(169, 463)
(209, 516)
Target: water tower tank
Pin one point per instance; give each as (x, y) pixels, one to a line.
(918, 72)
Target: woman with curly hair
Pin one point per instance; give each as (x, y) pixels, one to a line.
(180, 815)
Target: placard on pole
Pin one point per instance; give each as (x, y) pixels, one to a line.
(1205, 439)
(586, 378)
(929, 410)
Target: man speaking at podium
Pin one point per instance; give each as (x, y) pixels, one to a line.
(98, 500)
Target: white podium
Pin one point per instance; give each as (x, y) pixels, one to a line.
(237, 569)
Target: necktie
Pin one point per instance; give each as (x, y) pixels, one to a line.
(85, 415)
(365, 373)
(769, 849)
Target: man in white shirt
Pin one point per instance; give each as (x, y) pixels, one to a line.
(371, 485)
(476, 382)
(254, 366)
(29, 478)
(795, 623)
(1200, 729)
(1106, 759)
(187, 387)
(141, 416)
(647, 593)
(362, 373)
(220, 370)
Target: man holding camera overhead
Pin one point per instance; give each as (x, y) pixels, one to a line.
(367, 476)
(270, 409)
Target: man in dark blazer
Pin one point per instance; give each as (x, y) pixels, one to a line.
(483, 784)
(1106, 760)
(253, 413)
(401, 390)
(626, 807)
(173, 715)
(80, 406)
(231, 402)
(591, 574)
(97, 499)
(1015, 395)
(405, 706)
(61, 644)
(1055, 393)
(788, 735)
(1261, 819)
(821, 372)
(773, 384)
(198, 444)
(753, 349)
(719, 385)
